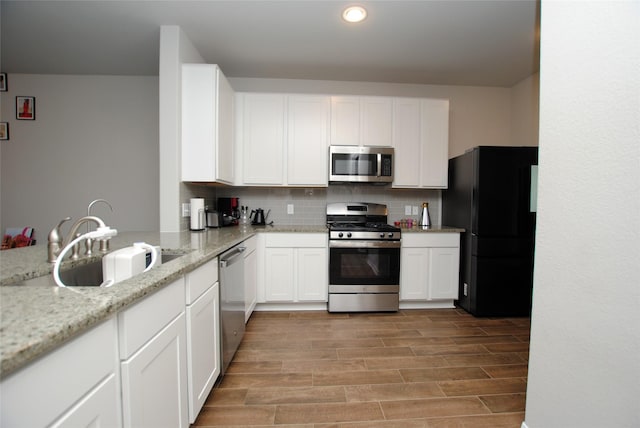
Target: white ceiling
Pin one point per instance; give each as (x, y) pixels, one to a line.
(478, 42)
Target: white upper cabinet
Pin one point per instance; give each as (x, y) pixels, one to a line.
(421, 142)
(435, 143)
(283, 139)
(207, 125)
(407, 142)
(307, 140)
(361, 121)
(263, 132)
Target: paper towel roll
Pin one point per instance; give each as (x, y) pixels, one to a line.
(197, 214)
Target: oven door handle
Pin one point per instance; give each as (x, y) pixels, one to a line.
(363, 244)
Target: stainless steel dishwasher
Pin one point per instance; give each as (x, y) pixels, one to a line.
(231, 303)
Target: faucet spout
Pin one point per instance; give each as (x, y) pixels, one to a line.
(56, 244)
(74, 228)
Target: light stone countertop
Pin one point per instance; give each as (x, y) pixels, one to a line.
(433, 229)
(37, 316)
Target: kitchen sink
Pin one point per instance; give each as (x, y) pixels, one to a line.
(90, 274)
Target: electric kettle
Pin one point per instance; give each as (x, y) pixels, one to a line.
(258, 217)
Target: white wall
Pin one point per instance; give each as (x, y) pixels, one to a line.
(175, 49)
(584, 367)
(93, 137)
(525, 111)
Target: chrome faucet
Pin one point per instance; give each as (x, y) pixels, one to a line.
(56, 243)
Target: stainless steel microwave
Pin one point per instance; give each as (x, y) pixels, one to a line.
(358, 164)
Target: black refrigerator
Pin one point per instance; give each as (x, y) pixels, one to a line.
(490, 196)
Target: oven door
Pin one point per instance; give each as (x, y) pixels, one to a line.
(359, 265)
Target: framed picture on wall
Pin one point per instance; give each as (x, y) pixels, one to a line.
(4, 131)
(26, 108)
(3, 82)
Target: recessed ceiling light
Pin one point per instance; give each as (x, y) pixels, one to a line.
(354, 14)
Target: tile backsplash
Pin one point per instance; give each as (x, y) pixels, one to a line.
(309, 205)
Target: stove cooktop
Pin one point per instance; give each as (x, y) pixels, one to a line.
(360, 220)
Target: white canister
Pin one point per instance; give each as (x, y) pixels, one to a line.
(198, 221)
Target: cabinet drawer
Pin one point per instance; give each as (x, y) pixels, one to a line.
(142, 321)
(199, 280)
(296, 240)
(422, 240)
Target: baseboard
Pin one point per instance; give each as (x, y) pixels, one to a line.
(436, 304)
(315, 306)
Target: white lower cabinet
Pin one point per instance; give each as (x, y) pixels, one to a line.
(295, 267)
(152, 365)
(429, 267)
(152, 336)
(203, 339)
(96, 409)
(77, 385)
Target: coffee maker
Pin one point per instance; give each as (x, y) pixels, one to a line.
(228, 211)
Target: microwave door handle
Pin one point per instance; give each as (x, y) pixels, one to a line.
(379, 165)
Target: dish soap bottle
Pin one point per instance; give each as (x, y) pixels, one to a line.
(425, 220)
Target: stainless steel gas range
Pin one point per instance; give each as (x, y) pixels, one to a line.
(364, 258)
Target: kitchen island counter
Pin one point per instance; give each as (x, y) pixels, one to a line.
(37, 316)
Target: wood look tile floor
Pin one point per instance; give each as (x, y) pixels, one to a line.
(415, 368)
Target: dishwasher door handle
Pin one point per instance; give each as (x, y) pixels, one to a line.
(229, 258)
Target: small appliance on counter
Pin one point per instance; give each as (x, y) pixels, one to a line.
(198, 219)
(213, 218)
(228, 211)
(259, 218)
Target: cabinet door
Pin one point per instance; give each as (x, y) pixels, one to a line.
(414, 273)
(361, 121)
(154, 381)
(406, 142)
(199, 111)
(225, 126)
(263, 139)
(312, 277)
(203, 348)
(435, 140)
(345, 121)
(443, 273)
(96, 409)
(376, 121)
(66, 384)
(279, 275)
(307, 140)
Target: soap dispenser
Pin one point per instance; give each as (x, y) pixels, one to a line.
(425, 220)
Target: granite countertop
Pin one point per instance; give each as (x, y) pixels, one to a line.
(37, 316)
(433, 229)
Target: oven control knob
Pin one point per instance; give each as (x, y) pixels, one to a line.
(390, 234)
(340, 234)
(382, 234)
(348, 234)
